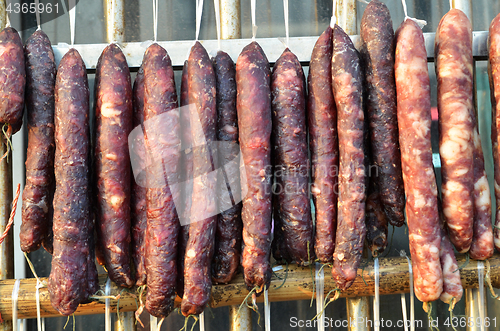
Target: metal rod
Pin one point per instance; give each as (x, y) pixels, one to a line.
(358, 314)
(465, 6)
(115, 20)
(125, 322)
(230, 26)
(346, 16)
(472, 310)
(241, 321)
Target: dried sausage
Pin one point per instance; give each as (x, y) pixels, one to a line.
(39, 190)
(348, 92)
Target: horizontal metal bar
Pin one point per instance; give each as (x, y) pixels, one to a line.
(273, 47)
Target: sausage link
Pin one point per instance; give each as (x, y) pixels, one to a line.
(72, 260)
(414, 122)
(162, 137)
(200, 246)
(348, 92)
(324, 146)
(376, 222)
(253, 103)
(452, 284)
(453, 53)
(494, 78)
(138, 194)
(38, 193)
(113, 123)
(290, 158)
(12, 78)
(482, 247)
(228, 235)
(378, 54)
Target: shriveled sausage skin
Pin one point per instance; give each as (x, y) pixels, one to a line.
(12, 78)
(161, 121)
(72, 260)
(494, 77)
(228, 235)
(376, 222)
(453, 53)
(253, 103)
(348, 92)
(113, 123)
(324, 146)
(290, 158)
(378, 55)
(138, 194)
(414, 122)
(482, 247)
(39, 190)
(200, 246)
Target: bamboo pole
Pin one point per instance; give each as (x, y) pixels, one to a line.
(394, 279)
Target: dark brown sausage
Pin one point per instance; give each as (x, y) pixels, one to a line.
(187, 175)
(12, 78)
(203, 217)
(378, 57)
(454, 71)
(414, 122)
(323, 140)
(72, 259)
(348, 92)
(376, 221)
(228, 235)
(494, 77)
(39, 190)
(290, 158)
(138, 194)
(482, 247)
(161, 121)
(253, 103)
(113, 123)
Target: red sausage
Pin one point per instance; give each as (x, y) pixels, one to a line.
(347, 90)
(72, 260)
(292, 209)
(203, 219)
(161, 122)
(113, 123)
(414, 122)
(453, 53)
(253, 104)
(39, 190)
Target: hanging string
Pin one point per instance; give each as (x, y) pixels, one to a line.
(333, 20)
(72, 10)
(113, 34)
(451, 4)
(155, 20)
(202, 321)
(376, 299)
(217, 21)
(287, 34)
(320, 296)
(254, 26)
(199, 11)
(480, 278)
(153, 323)
(15, 295)
(420, 23)
(37, 13)
(412, 300)
(107, 311)
(267, 311)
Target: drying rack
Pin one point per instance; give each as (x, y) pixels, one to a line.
(299, 285)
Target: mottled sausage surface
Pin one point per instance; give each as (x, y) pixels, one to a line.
(253, 103)
(453, 53)
(203, 217)
(482, 246)
(37, 207)
(113, 123)
(72, 260)
(161, 122)
(348, 92)
(290, 158)
(378, 55)
(323, 142)
(228, 235)
(12, 78)
(414, 122)
(138, 191)
(494, 77)
(452, 284)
